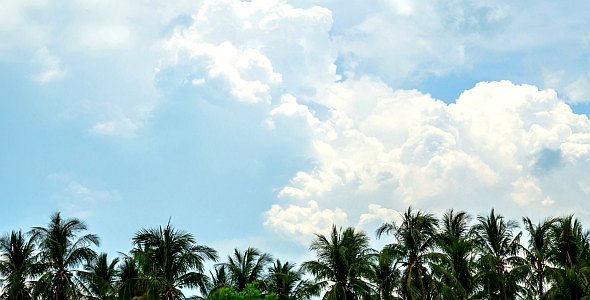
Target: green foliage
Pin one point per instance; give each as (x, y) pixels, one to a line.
(287, 282)
(62, 248)
(250, 292)
(499, 264)
(18, 263)
(414, 238)
(169, 260)
(246, 267)
(99, 277)
(343, 264)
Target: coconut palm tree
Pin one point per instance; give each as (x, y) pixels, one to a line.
(18, 264)
(537, 255)
(569, 283)
(246, 267)
(570, 254)
(285, 281)
(500, 267)
(219, 279)
(385, 275)
(100, 277)
(128, 285)
(454, 261)
(170, 260)
(62, 248)
(569, 241)
(414, 237)
(343, 263)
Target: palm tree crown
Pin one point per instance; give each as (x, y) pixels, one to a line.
(18, 263)
(499, 263)
(415, 236)
(287, 282)
(171, 260)
(61, 251)
(246, 267)
(343, 262)
(100, 277)
(454, 263)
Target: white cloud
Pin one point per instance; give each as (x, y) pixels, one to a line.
(525, 191)
(376, 216)
(500, 144)
(50, 66)
(258, 47)
(302, 222)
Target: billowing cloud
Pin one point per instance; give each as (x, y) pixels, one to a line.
(257, 48)
(334, 85)
(302, 222)
(500, 145)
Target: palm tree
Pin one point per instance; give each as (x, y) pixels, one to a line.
(343, 262)
(414, 238)
(455, 259)
(569, 240)
(18, 264)
(100, 276)
(385, 275)
(500, 268)
(171, 260)
(246, 267)
(220, 279)
(61, 251)
(287, 282)
(569, 283)
(537, 255)
(128, 286)
(570, 253)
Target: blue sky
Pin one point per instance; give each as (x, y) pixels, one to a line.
(258, 123)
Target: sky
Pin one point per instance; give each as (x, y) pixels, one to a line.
(260, 123)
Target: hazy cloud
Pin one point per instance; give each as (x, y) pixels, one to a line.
(50, 67)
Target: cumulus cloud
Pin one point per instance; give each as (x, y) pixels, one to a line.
(333, 82)
(302, 222)
(499, 145)
(258, 48)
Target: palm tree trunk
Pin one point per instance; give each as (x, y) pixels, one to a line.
(540, 283)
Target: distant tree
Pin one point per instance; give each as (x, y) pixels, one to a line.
(100, 277)
(62, 250)
(537, 256)
(385, 275)
(170, 260)
(18, 265)
(570, 253)
(453, 262)
(130, 279)
(343, 264)
(287, 282)
(219, 279)
(246, 267)
(250, 292)
(499, 266)
(415, 237)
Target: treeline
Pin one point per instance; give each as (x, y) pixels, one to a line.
(451, 257)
